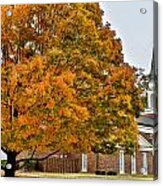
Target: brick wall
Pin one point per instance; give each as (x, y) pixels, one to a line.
(155, 163)
(69, 164)
(111, 162)
(139, 162)
(150, 163)
(91, 162)
(107, 162)
(128, 163)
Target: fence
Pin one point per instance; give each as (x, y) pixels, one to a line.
(60, 165)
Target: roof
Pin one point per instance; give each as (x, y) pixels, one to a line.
(149, 120)
(143, 142)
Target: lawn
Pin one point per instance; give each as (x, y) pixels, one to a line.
(82, 176)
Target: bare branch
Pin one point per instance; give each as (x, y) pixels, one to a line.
(38, 159)
(2, 168)
(4, 150)
(19, 167)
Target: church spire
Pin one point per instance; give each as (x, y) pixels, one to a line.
(153, 71)
(152, 84)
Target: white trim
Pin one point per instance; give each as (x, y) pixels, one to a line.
(133, 163)
(84, 167)
(145, 164)
(146, 149)
(144, 143)
(121, 162)
(144, 129)
(148, 111)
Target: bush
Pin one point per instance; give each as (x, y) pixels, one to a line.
(111, 173)
(103, 172)
(3, 163)
(30, 165)
(97, 172)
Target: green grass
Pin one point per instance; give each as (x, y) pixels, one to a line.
(82, 176)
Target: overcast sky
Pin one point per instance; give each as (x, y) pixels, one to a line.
(134, 28)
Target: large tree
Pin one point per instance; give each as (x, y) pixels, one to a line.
(65, 85)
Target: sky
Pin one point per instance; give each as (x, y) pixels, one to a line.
(134, 28)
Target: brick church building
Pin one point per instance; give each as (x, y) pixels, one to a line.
(143, 161)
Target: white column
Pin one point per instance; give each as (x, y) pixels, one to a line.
(133, 163)
(149, 99)
(145, 164)
(84, 163)
(121, 162)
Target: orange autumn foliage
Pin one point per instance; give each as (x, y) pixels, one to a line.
(65, 85)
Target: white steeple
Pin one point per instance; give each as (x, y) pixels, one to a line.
(152, 89)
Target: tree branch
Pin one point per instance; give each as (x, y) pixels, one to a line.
(38, 159)
(3, 149)
(20, 167)
(4, 103)
(2, 168)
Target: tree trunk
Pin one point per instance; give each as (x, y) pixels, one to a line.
(10, 167)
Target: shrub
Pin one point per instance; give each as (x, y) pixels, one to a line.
(30, 165)
(111, 173)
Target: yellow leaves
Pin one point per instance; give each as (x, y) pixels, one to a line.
(50, 104)
(121, 100)
(82, 112)
(37, 62)
(83, 74)
(22, 68)
(127, 100)
(55, 55)
(121, 113)
(13, 79)
(75, 113)
(41, 88)
(72, 139)
(66, 112)
(68, 77)
(29, 91)
(23, 120)
(65, 80)
(63, 88)
(59, 93)
(63, 84)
